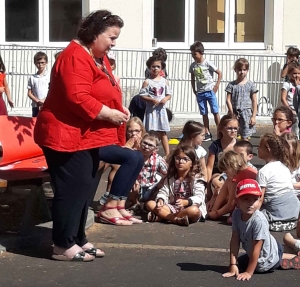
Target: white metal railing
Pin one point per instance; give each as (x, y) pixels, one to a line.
(264, 72)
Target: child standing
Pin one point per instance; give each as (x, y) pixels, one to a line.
(161, 54)
(156, 92)
(202, 74)
(38, 84)
(292, 56)
(4, 89)
(288, 91)
(193, 134)
(283, 119)
(153, 171)
(182, 198)
(278, 202)
(250, 227)
(241, 99)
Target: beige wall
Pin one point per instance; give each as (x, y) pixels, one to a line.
(134, 14)
(291, 28)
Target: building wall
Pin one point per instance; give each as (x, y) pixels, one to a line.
(137, 31)
(291, 28)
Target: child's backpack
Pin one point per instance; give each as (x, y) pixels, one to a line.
(264, 107)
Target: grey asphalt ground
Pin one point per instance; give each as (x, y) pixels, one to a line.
(149, 254)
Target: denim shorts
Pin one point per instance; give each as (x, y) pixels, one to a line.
(210, 97)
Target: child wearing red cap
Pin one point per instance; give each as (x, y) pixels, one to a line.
(251, 228)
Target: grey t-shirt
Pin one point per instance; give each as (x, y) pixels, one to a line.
(256, 228)
(203, 73)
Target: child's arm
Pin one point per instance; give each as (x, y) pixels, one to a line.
(168, 94)
(216, 87)
(284, 95)
(193, 83)
(234, 251)
(210, 165)
(7, 92)
(253, 258)
(261, 201)
(203, 168)
(284, 71)
(229, 103)
(254, 109)
(146, 97)
(33, 98)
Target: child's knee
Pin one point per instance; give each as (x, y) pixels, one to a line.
(151, 204)
(194, 213)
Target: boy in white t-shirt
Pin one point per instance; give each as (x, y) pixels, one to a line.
(38, 84)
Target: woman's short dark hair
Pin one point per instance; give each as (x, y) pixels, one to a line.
(96, 23)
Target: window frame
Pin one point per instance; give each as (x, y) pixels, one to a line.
(43, 26)
(228, 44)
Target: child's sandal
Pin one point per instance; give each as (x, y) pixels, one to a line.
(183, 221)
(293, 263)
(152, 217)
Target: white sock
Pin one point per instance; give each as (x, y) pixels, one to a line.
(297, 245)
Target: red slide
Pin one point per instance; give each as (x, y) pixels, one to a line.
(18, 150)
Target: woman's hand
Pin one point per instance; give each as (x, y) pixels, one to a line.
(233, 271)
(117, 117)
(127, 112)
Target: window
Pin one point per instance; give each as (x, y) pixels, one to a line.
(18, 28)
(217, 23)
(39, 22)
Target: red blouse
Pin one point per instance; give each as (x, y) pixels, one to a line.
(78, 90)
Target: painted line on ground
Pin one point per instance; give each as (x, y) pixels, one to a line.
(159, 247)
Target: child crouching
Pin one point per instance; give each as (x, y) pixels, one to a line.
(181, 200)
(251, 228)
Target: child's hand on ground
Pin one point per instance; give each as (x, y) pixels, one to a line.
(244, 276)
(233, 271)
(252, 121)
(11, 104)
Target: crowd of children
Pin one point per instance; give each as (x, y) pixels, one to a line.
(191, 184)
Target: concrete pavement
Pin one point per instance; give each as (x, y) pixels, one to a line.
(149, 254)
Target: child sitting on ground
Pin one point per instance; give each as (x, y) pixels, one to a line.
(182, 198)
(227, 132)
(294, 145)
(245, 148)
(154, 169)
(250, 227)
(283, 119)
(278, 201)
(193, 135)
(236, 169)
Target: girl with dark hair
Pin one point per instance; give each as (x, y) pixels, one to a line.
(4, 89)
(283, 119)
(156, 92)
(181, 200)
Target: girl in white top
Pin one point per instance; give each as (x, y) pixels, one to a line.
(278, 201)
(193, 135)
(181, 200)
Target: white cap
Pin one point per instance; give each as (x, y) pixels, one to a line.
(111, 55)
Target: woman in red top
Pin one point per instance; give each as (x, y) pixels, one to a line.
(81, 122)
